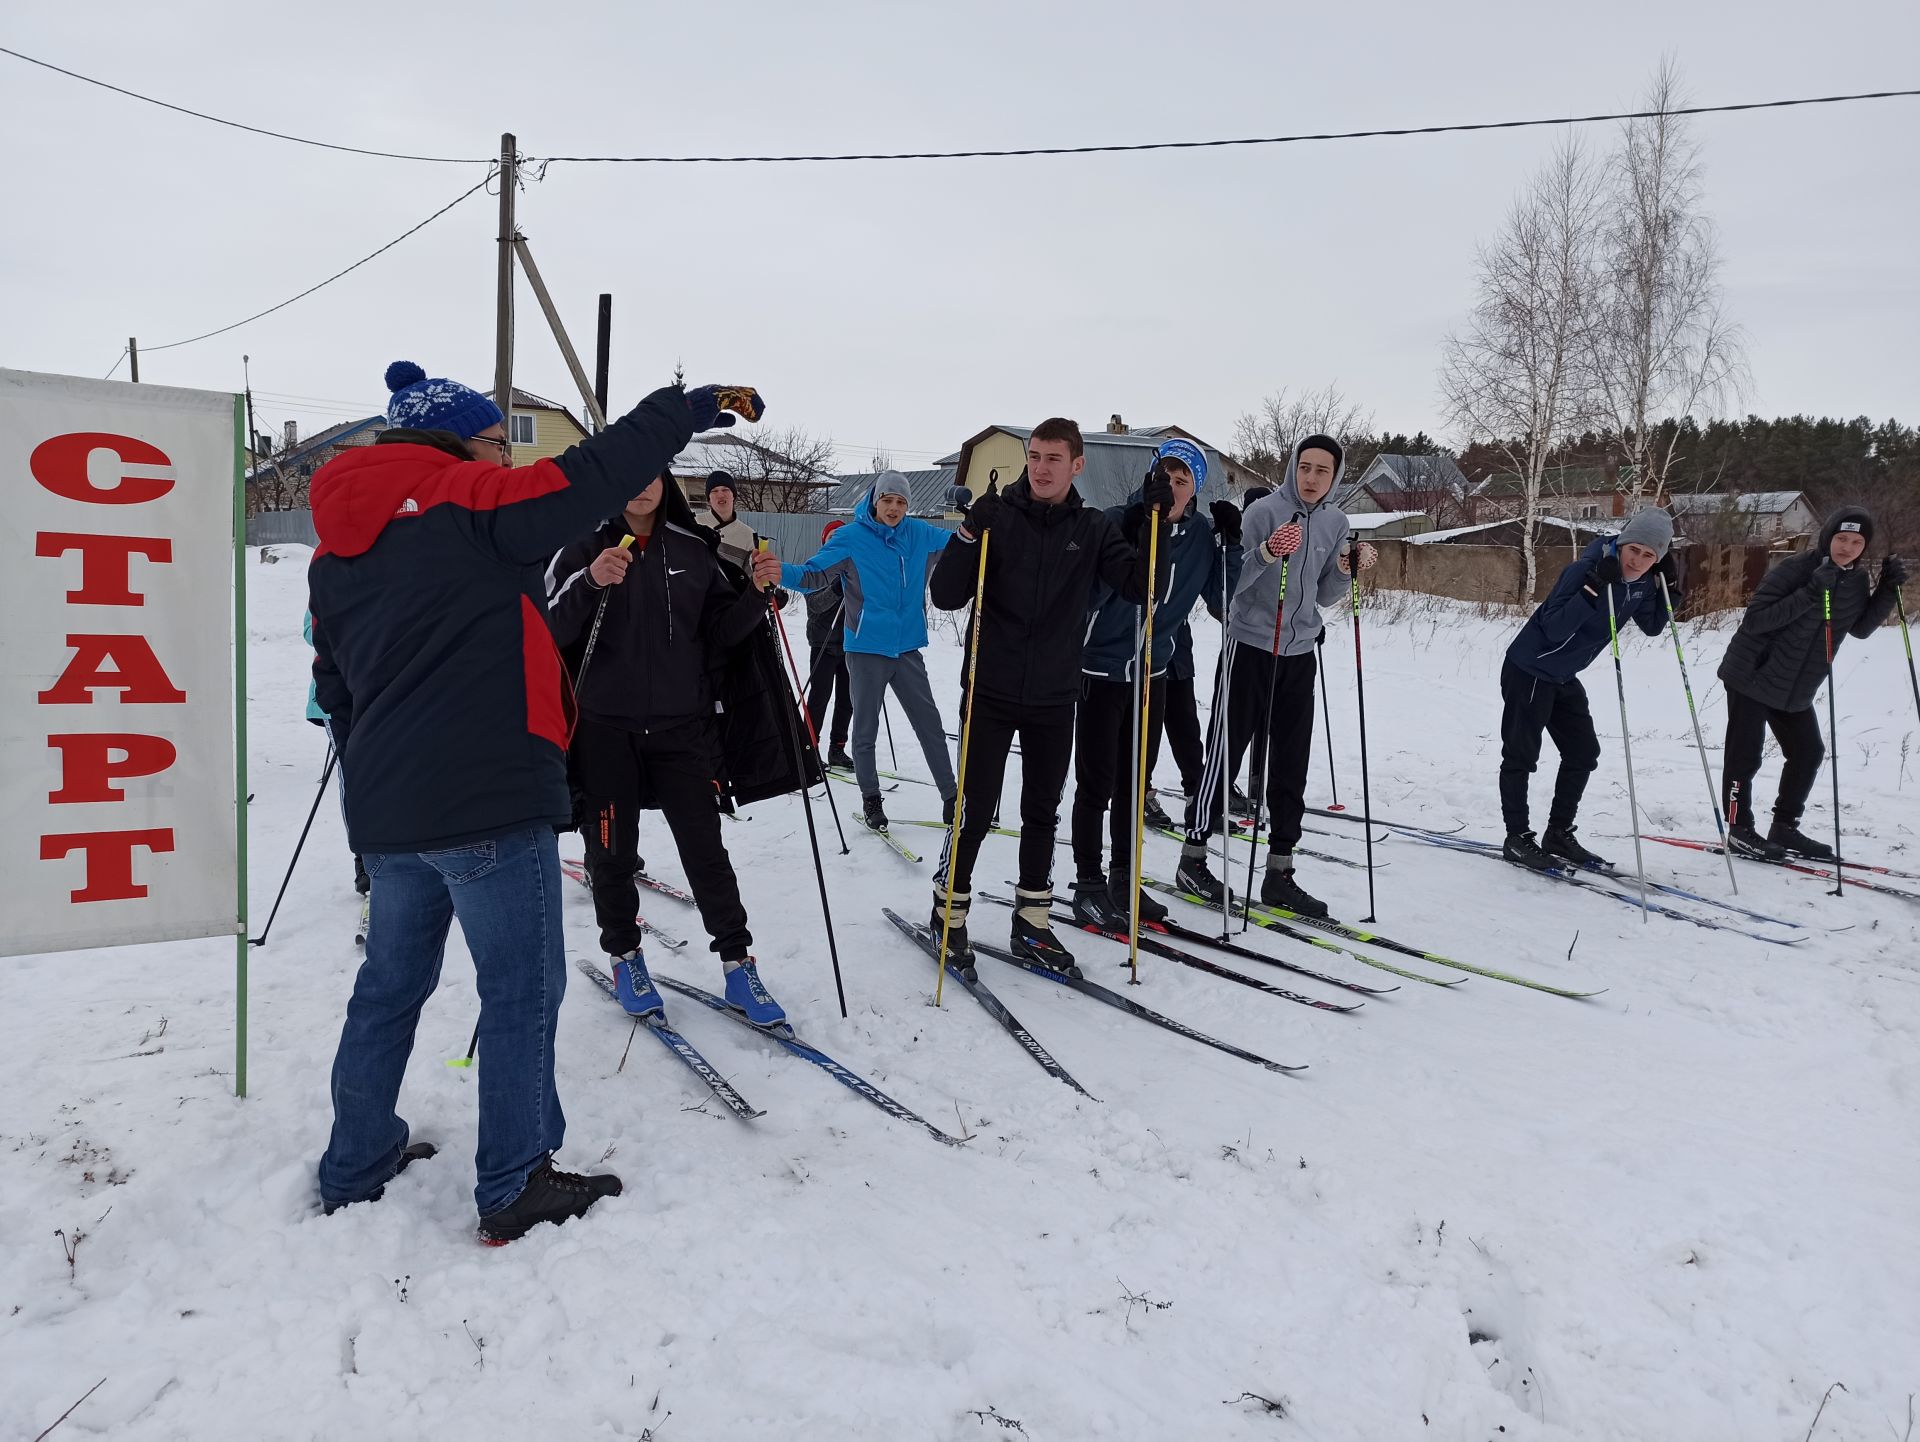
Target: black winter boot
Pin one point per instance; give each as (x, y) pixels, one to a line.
(873, 813)
(1522, 850)
(1196, 879)
(1150, 909)
(1278, 888)
(1743, 840)
(959, 945)
(1559, 841)
(837, 756)
(1156, 814)
(1093, 905)
(1793, 839)
(1032, 937)
(550, 1195)
(416, 1152)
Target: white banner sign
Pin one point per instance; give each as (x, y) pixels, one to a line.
(116, 663)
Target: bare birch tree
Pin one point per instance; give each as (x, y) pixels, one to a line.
(1659, 344)
(1515, 377)
(783, 470)
(1263, 439)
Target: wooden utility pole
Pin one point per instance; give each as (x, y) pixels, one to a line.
(133, 354)
(503, 323)
(567, 352)
(602, 353)
(253, 436)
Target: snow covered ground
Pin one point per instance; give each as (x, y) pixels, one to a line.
(1678, 1211)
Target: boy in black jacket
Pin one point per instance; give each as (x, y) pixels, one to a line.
(1047, 551)
(668, 613)
(1773, 670)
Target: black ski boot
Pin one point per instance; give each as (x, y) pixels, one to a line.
(1743, 840)
(1093, 905)
(1238, 802)
(959, 945)
(1032, 937)
(1522, 850)
(1150, 909)
(1195, 879)
(417, 1152)
(1795, 841)
(873, 813)
(1278, 888)
(1156, 814)
(1560, 841)
(550, 1195)
(837, 757)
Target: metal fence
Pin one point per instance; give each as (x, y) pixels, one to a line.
(282, 528)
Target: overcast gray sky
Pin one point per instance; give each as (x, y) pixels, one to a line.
(909, 304)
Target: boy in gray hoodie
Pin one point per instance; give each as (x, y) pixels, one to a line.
(1298, 534)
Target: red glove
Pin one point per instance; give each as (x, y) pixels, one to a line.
(1285, 541)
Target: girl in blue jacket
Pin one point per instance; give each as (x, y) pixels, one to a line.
(881, 561)
(1540, 682)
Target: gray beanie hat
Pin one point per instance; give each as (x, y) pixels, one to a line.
(891, 483)
(1650, 527)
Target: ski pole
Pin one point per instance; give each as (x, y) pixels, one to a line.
(1264, 726)
(887, 717)
(1699, 743)
(779, 683)
(1143, 676)
(1900, 603)
(593, 636)
(1626, 741)
(326, 773)
(960, 784)
(1360, 690)
(813, 737)
(1833, 741)
(1326, 717)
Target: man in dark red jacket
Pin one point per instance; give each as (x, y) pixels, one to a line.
(452, 715)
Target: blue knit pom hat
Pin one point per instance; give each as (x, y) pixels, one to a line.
(437, 404)
(1189, 455)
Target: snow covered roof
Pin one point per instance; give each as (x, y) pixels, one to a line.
(1373, 520)
(1573, 527)
(1753, 503)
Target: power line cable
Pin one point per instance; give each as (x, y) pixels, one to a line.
(175, 344)
(1459, 128)
(235, 124)
(1117, 149)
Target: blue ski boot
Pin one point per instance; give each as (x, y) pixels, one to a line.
(634, 987)
(747, 995)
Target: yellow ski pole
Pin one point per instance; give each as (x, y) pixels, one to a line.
(960, 785)
(1140, 796)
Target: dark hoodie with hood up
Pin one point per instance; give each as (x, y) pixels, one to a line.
(433, 659)
(1778, 657)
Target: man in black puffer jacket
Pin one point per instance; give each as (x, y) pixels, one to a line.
(1775, 665)
(669, 617)
(444, 692)
(1046, 552)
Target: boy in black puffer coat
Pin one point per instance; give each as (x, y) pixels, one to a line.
(1774, 667)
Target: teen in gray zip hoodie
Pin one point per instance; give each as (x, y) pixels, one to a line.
(1298, 534)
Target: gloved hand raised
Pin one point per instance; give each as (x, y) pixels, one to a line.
(1667, 570)
(1285, 541)
(712, 405)
(1825, 576)
(1367, 554)
(1226, 522)
(984, 513)
(1893, 572)
(1157, 492)
(1604, 572)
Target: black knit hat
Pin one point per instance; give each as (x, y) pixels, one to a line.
(1856, 520)
(718, 479)
(1321, 443)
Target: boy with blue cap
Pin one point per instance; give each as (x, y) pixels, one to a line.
(1105, 758)
(1540, 682)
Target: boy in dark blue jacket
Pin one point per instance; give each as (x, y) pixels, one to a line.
(1540, 682)
(1105, 758)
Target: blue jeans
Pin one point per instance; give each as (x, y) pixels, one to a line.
(506, 893)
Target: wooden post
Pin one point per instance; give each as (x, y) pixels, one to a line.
(133, 354)
(567, 353)
(602, 352)
(503, 302)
